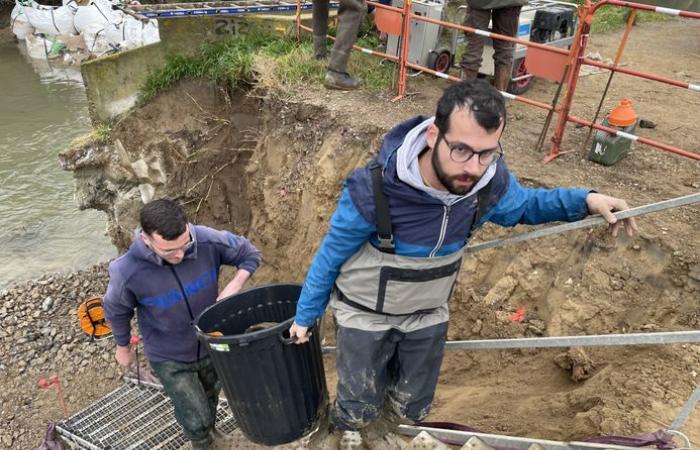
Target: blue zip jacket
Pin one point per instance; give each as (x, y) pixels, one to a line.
(422, 225)
(168, 297)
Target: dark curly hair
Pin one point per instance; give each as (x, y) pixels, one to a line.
(486, 103)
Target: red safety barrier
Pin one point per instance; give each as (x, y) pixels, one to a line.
(549, 62)
(586, 12)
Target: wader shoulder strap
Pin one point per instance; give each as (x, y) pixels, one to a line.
(482, 200)
(381, 204)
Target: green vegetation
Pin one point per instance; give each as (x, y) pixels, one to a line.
(233, 63)
(610, 18)
(101, 133)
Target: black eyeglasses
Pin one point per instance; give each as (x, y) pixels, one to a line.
(461, 153)
(172, 251)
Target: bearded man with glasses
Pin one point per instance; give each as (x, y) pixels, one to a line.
(169, 275)
(394, 249)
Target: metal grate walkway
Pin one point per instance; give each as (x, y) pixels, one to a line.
(133, 416)
(155, 11)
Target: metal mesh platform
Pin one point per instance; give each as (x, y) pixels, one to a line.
(133, 417)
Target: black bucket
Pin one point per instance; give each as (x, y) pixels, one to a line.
(275, 388)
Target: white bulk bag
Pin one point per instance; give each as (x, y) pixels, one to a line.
(98, 12)
(38, 47)
(52, 21)
(19, 24)
(95, 40)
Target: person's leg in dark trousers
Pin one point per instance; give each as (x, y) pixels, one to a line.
(319, 13)
(193, 389)
(362, 359)
(473, 53)
(350, 15)
(415, 374)
(505, 21)
(212, 387)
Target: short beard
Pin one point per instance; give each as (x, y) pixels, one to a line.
(448, 181)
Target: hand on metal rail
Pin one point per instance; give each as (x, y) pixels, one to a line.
(605, 206)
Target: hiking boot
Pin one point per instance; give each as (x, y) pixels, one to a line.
(202, 444)
(220, 440)
(381, 435)
(217, 434)
(350, 440)
(341, 80)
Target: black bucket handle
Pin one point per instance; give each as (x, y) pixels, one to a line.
(287, 340)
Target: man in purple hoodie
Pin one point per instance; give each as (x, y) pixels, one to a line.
(169, 275)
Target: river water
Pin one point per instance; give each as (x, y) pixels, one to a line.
(41, 229)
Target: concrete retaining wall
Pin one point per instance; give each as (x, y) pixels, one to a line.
(112, 82)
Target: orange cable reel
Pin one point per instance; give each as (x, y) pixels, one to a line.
(92, 319)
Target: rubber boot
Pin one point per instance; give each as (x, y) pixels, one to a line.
(502, 76)
(468, 74)
(341, 80)
(320, 48)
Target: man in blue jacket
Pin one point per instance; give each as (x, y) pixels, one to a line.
(169, 275)
(394, 249)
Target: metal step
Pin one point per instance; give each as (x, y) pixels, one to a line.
(482, 441)
(133, 416)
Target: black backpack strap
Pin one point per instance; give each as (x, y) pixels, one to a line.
(381, 204)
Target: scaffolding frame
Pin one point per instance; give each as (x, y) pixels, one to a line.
(219, 8)
(601, 340)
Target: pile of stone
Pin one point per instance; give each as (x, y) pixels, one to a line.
(39, 322)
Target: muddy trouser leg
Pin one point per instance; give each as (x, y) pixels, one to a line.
(191, 396)
(320, 25)
(212, 386)
(415, 372)
(505, 21)
(362, 360)
(471, 58)
(350, 15)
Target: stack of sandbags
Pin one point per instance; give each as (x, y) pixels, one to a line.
(103, 28)
(131, 33)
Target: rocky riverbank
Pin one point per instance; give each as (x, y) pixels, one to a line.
(39, 337)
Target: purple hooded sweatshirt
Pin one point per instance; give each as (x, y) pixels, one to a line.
(169, 297)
